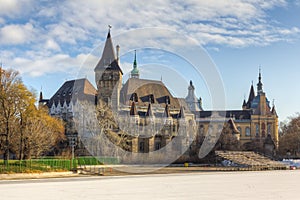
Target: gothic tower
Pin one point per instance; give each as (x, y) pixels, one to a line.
(108, 75)
(135, 72)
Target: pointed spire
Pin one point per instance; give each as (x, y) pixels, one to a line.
(259, 84)
(149, 111)
(167, 111)
(273, 110)
(181, 113)
(41, 96)
(133, 110)
(251, 96)
(108, 58)
(135, 71)
(108, 35)
(244, 103)
(134, 62)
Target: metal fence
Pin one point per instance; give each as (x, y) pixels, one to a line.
(50, 164)
(37, 165)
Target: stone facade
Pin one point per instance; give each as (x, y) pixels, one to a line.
(153, 117)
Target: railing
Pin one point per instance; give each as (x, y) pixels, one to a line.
(51, 164)
(37, 165)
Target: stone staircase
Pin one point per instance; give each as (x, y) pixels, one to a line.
(250, 159)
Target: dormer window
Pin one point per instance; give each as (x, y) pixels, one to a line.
(134, 97)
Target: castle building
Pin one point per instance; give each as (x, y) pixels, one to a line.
(154, 117)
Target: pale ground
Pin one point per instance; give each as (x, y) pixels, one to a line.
(266, 185)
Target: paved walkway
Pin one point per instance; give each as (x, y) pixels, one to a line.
(213, 185)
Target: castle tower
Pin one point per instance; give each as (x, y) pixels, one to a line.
(108, 75)
(191, 99)
(135, 72)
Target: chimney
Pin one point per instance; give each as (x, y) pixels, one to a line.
(118, 53)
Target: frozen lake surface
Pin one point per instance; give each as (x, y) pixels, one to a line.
(213, 185)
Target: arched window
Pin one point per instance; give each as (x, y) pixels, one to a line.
(263, 126)
(247, 130)
(239, 129)
(257, 130)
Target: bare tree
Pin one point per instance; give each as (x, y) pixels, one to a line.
(289, 141)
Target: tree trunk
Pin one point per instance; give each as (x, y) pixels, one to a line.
(6, 150)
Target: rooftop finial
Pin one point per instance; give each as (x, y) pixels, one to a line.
(259, 84)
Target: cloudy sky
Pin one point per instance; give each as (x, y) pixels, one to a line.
(49, 42)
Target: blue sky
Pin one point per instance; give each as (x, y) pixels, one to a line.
(49, 42)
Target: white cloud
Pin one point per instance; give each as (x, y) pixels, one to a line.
(52, 45)
(76, 26)
(46, 65)
(12, 8)
(17, 34)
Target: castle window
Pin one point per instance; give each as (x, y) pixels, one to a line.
(257, 130)
(263, 126)
(157, 146)
(247, 130)
(269, 129)
(141, 146)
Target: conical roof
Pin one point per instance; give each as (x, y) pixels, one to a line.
(167, 111)
(108, 58)
(149, 112)
(133, 110)
(181, 113)
(251, 96)
(273, 111)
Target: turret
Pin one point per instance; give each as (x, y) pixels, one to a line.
(135, 72)
(191, 99)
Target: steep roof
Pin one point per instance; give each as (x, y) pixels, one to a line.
(145, 89)
(74, 89)
(167, 111)
(273, 111)
(108, 59)
(251, 96)
(149, 112)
